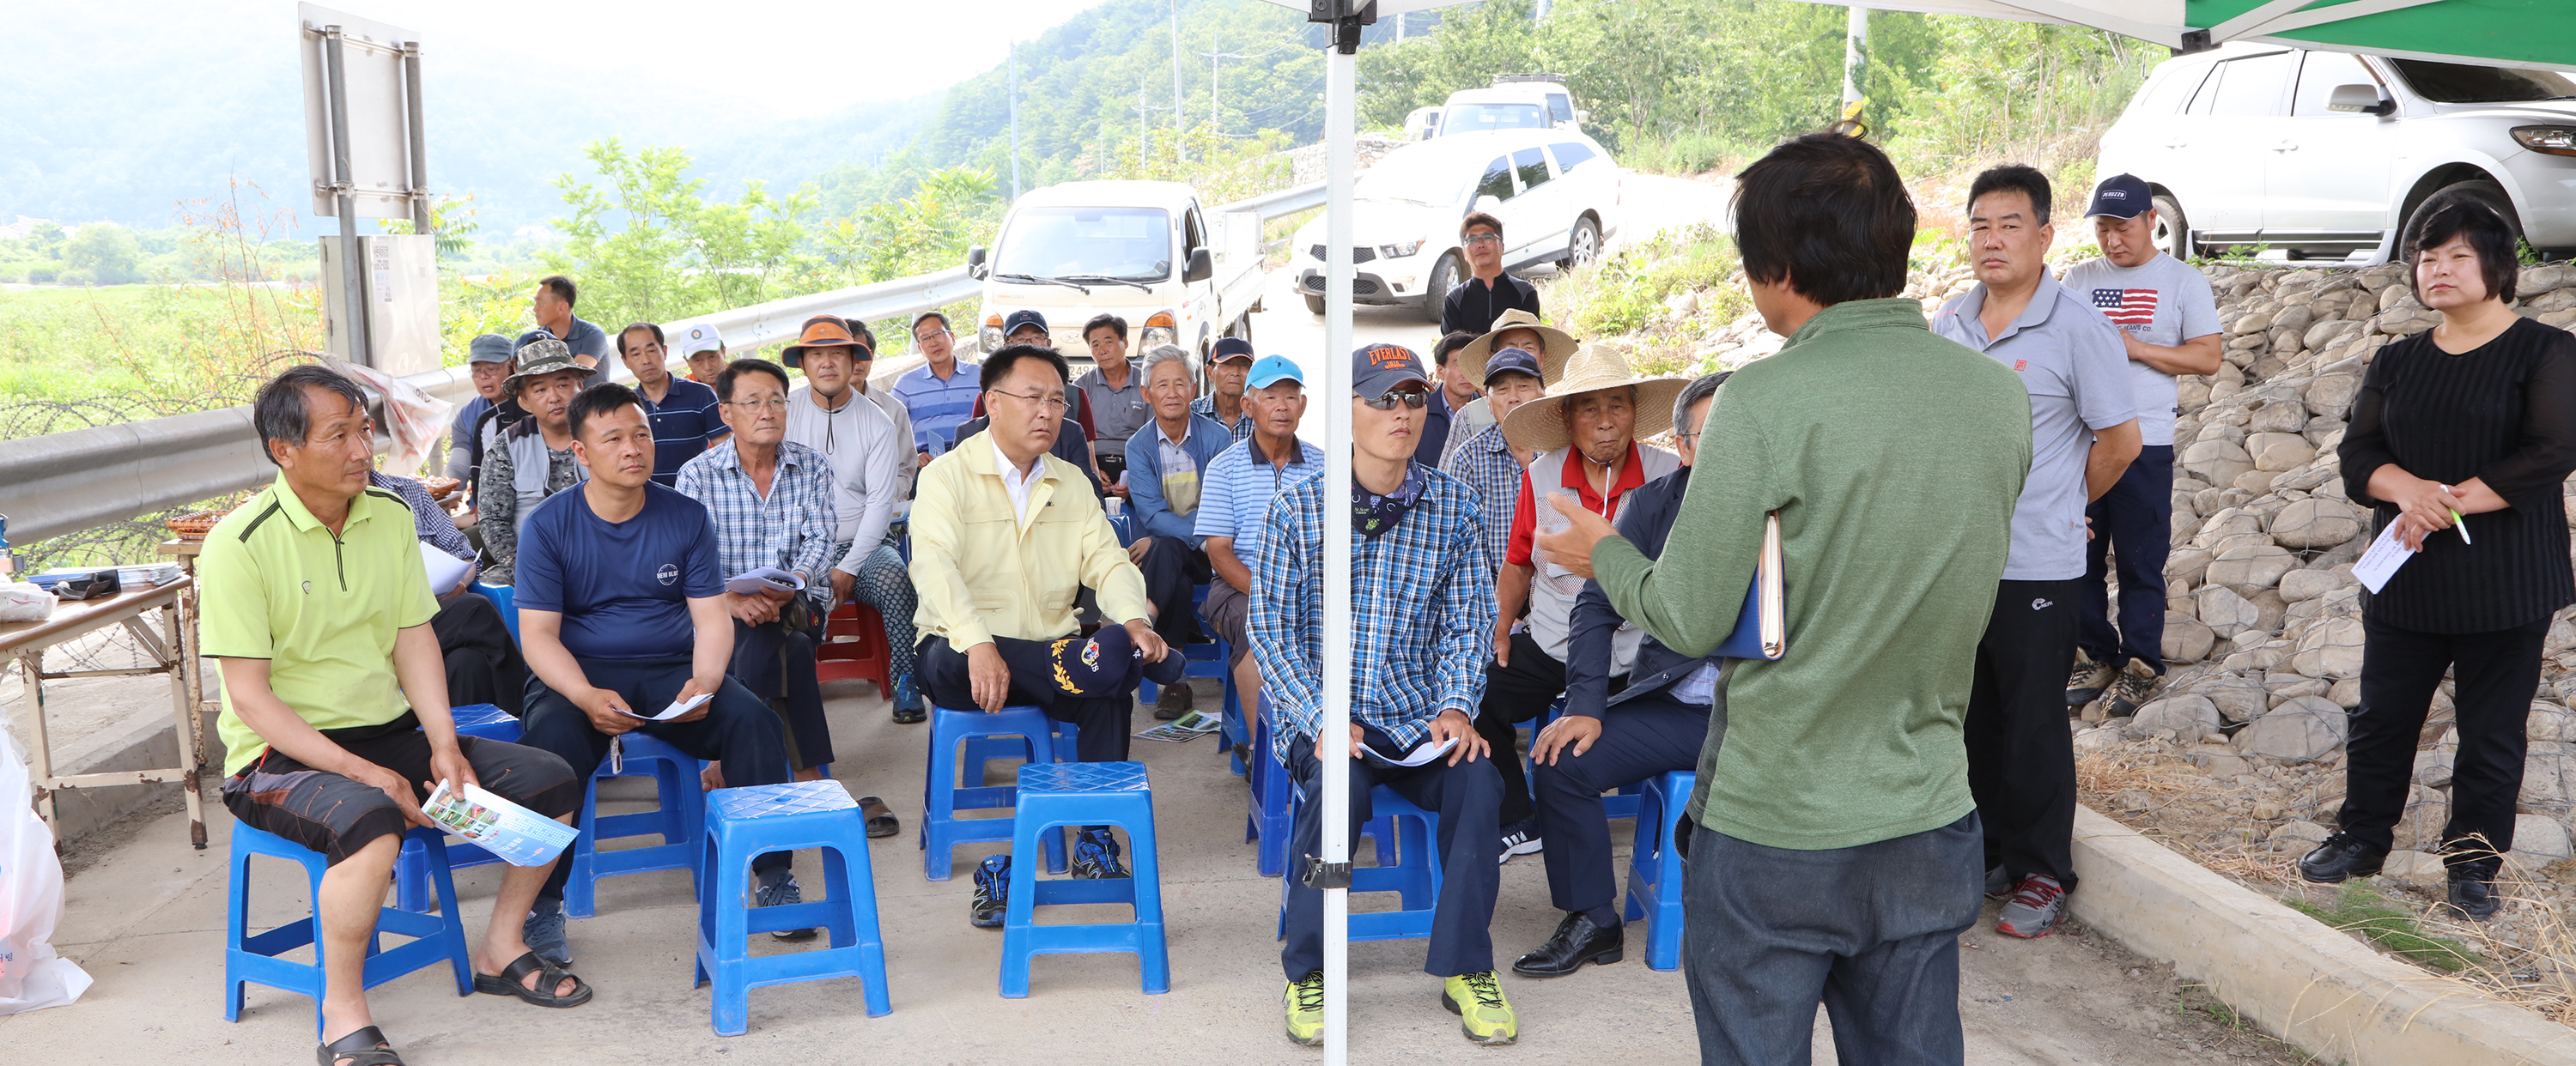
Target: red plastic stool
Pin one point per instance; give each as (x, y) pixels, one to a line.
(863, 656)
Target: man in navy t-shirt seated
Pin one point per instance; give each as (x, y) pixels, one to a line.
(621, 614)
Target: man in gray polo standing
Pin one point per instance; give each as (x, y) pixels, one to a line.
(2084, 432)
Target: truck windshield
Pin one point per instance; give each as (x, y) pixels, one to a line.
(1432, 178)
(1472, 118)
(1126, 243)
(2462, 83)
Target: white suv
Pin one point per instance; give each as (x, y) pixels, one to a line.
(2326, 155)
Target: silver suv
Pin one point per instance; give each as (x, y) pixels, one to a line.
(2326, 155)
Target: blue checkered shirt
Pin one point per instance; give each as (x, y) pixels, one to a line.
(1422, 613)
(791, 529)
(1206, 405)
(429, 521)
(1486, 465)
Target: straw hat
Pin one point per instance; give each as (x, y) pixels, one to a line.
(1551, 363)
(1539, 425)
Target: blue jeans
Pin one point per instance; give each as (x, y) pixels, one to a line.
(2134, 519)
(1872, 932)
(1467, 797)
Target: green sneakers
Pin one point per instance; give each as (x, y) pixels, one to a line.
(1483, 1014)
(1306, 1010)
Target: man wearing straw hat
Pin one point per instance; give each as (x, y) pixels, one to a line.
(1585, 431)
(1488, 463)
(1512, 329)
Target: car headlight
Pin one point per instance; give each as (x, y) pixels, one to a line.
(1160, 328)
(990, 337)
(1398, 251)
(2547, 140)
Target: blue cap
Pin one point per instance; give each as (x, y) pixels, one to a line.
(1022, 317)
(2120, 196)
(1378, 368)
(491, 348)
(1271, 370)
(1511, 360)
(1230, 348)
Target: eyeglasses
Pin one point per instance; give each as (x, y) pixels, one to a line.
(1392, 397)
(1482, 238)
(775, 403)
(1685, 436)
(1054, 404)
(932, 333)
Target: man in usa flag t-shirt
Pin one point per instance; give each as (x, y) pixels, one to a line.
(2168, 320)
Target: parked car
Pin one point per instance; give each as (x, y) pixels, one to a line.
(1512, 102)
(1143, 250)
(2328, 155)
(1556, 192)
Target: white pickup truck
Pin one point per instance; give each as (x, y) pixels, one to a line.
(1142, 250)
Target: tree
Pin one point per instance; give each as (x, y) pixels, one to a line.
(676, 254)
(924, 232)
(107, 251)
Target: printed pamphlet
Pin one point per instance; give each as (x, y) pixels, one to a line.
(517, 835)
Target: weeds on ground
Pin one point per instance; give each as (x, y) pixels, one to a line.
(2391, 927)
(1625, 290)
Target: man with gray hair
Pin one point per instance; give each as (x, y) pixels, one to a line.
(1606, 740)
(1165, 460)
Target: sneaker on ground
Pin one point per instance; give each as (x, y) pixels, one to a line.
(1521, 838)
(1174, 701)
(2087, 680)
(1998, 883)
(782, 891)
(544, 933)
(1095, 856)
(1306, 1010)
(907, 702)
(992, 892)
(1483, 1014)
(2134, 688)
(2036, 906)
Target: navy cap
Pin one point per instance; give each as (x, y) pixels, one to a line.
(1230, 348)
(1021, 318)
(1272, 370)
(2120, 196)
(491, 348)
(1511, 360)
(1379, 368)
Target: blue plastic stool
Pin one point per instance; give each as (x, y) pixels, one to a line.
(1655, 868)
(1084, 794)
(1235, 734)
(252, 957)
(745, 823)
(680, 822)
(947, 789)
(411, 870)
(501, 597)
(1408, 865)
(1268, 820)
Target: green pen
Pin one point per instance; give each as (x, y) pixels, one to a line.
(2462, 524)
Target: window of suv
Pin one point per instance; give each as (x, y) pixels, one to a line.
(2319, 74)
(1497, 181)
(2461, 83)
(1533, 168)
(1560, 108)
(1570, 155)
(1472, 118)
(2248, 86)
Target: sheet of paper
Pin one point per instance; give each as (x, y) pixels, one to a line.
(764, 579)
(676, 709)
(1184, 729)
(444, 570)
(517, 835)
(1422, 754)
(2380, 561)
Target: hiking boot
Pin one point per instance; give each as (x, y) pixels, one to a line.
(1521, 838)
(2085, 683)
(2340, 857)
(2472, 895)
(544, 933)
(1095, 855)
(992, 892)
(2135, 686)
(1306, 1010)
(907, 702)
(781, 891)
(2036, 906)
(1483, 1014)
(1173, 702)
(1998, 883)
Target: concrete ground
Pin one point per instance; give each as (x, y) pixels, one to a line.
(146, 918)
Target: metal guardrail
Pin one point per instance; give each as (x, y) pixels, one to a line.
(66, 482)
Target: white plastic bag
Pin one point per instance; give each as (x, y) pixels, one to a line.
(415, 418)
(32, 977)
(22, 601)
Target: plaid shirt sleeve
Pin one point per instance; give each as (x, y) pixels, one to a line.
(1467, 613)
(1283, 619)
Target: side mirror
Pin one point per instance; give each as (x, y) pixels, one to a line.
(1202, 266)
(975, 261)
(2360, 100)
(1488, 204)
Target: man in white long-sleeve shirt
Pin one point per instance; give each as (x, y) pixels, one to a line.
(868, 453)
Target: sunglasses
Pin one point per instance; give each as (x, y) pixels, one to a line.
(1392, 397)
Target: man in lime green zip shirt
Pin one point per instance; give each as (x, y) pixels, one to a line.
(1835, 843)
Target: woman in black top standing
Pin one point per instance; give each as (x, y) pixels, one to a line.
(2477, 417)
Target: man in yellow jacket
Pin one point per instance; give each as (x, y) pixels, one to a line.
(1004, 536)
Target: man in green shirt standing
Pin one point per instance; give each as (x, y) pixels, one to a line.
(335, 724)
(1835, 853)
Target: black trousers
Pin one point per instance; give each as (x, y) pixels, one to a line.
(483, 663)
(2496, 673)
(2021, 759)
(1470, 843)
(1640, 738)
(2135, 518)
(777, 664)
(1173, 573)
(1102, 720)
(1517, 693)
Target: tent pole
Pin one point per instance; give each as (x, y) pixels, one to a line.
(1332, 733)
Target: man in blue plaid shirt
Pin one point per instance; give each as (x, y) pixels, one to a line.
(1422, 606)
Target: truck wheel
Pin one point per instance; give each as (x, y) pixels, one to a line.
(1314, 304)
(1435, 289)
(1242, 328)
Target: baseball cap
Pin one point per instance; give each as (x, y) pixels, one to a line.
(542, 356)
(1378, 368)
(1272, 370)
(820, 331)
(491, 348)
(701, 338)
(2120, 196)
(1022, 317)
(1230, 348)
(1511, 360)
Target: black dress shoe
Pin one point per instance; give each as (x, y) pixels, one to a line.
(1577, 941)
(2341, 857)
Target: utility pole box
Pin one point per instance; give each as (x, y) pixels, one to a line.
(397, 302)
